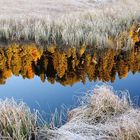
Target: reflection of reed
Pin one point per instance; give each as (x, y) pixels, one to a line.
(67, 66)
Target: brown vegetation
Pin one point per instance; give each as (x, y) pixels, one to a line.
(67, 66)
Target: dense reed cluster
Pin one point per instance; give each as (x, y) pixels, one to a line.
(16, 121)
(102, 114)
(104, 25)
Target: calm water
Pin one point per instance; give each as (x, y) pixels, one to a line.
(49, 79)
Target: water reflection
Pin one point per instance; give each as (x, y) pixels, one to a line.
(67, 66)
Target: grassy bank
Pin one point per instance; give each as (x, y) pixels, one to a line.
(16, 121)
(103, 114)
(99, 24)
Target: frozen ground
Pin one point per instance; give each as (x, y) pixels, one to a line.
(69, 22)
(104, 116)
(44, 7)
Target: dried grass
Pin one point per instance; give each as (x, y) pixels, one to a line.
(16, 120)
(98, 25)
(105, 116)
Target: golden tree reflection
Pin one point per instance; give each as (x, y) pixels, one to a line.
(67, 66)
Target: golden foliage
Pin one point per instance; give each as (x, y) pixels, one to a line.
(30, 73)
(60, 63)
(7, 74)
(51, 48)
(2, 59)
(82, 50)
(135, 33)
(67, 67)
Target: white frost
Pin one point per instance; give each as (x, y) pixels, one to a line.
(44, 7)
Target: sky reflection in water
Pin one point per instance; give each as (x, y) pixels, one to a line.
(47, 97)
(82, 70)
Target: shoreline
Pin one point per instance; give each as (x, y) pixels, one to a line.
(101, 24)
(102, 114)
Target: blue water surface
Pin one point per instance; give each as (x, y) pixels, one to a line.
(47, 97)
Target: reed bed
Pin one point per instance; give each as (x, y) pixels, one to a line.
(102, 24)
(103, 114)
(16, 120)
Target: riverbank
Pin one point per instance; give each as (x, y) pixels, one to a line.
(102, 114)
(94, 23)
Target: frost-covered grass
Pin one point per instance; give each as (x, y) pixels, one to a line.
(74, 23)
(16, 120)
(103, 114)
